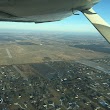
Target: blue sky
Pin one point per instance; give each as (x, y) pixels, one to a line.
(73, 23)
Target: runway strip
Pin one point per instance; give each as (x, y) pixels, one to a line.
(8, 52)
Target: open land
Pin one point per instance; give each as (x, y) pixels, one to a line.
(36, 47)
(54, 71)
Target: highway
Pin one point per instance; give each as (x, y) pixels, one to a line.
(97, 66)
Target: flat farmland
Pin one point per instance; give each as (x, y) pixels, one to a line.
(35, 48)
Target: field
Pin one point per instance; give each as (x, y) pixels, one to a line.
(36, 47)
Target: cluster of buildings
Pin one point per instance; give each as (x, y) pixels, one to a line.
(54, 86)
(105, 61)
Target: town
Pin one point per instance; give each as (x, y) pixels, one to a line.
(54, 85)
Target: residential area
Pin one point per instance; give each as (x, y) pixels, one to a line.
(54, 85)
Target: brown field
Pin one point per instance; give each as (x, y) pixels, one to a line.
(34, 49)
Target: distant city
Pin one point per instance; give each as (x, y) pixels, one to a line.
(54, 71)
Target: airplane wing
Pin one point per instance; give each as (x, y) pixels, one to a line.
(98, 23)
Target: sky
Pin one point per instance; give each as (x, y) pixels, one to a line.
(72, 23)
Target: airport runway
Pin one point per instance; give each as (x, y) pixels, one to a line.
(8, 52)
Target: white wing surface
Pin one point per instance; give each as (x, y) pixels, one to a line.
(98, 23)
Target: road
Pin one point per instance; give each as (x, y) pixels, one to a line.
(21, 73)
(95, 65)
